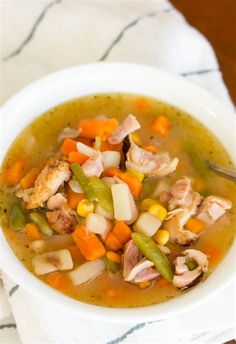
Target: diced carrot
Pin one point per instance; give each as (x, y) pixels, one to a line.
(28, 180)
(213, 252)
(122, 232)
(133, 183)
(107, 146)
(162, 282)
(68, 146)
(112, 171)
(32, 231)
(150, 148)
(160, 125)
(114, 257)
(112, 243)
(77, 157)
(89, 244)
(94, 127)
(195, 225)
(58, 281)
(130, 179)
(144, 285)
(85, 140)
(142, 104)
(74, 198)
(15, 172)
(75, 253)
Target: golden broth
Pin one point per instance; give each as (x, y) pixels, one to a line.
(39, 141)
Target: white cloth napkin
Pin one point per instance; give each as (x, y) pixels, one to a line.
(150, 32)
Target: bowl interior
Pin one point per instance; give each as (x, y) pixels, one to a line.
(113, 77)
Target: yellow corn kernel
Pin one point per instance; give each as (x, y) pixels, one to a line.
(161, 237)
(144, 285)
(85, 207)
(147, 203)
(138, 175)
(136, 138)
(159, 211)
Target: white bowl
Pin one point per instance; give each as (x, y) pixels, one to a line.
(64, 85)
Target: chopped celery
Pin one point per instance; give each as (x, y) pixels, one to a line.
(41, 222)
(111, 266)
(17, 219)
(148, 247)
(94, 188)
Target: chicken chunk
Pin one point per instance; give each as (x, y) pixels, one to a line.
(143, 161)
(184, 278)
(63, 220)
(93, 166)
(56, 201)
(177, 219)
(49, 180)
(212, 208)
(136, 268)
(180, 192)
(129, 125)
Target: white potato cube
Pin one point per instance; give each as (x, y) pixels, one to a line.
(86, 150)
(147, 224)
(107, 214)
(108, 229)
(124, 206)
(96, 223)
(52, 261)
(109, 181)
(37, 246)
(87, 271)
(110, 159)
(163, 185)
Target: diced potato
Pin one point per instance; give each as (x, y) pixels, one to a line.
(75, 187)
(52, 261)
(37, 246)
(163, 185)
(124, 206)
(86, 150)
(147, 224)
(96, 223)
(110, 159)
(87, 271)
(109, 181)
(108, 229)
(100, 210)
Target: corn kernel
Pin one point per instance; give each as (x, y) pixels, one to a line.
(85, 207)
(143, 285)
(158, 210)
(138, 175)
(147, 203)
(136, 138)
(161, 237)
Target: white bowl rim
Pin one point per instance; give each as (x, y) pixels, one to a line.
(104, 72)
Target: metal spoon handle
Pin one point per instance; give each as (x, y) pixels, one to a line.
(222, 171)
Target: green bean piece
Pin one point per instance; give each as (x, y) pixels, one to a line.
(41, 222)
(100, 191)
(17, 220)
(148, 247)
(94, 188)
(191, 264)
(111, 266)
(198, 162)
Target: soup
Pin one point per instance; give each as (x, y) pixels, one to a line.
(115, 209)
